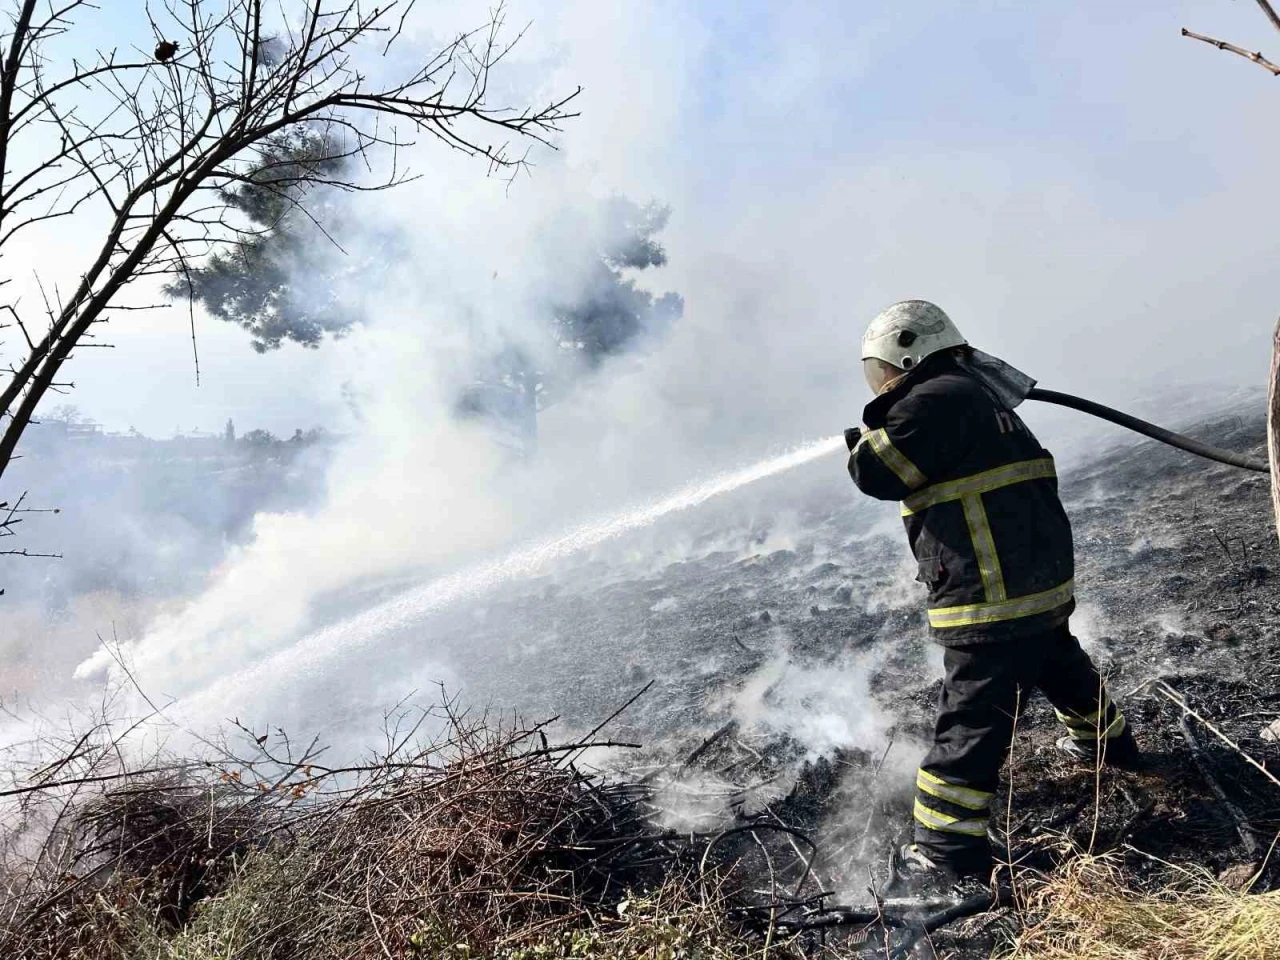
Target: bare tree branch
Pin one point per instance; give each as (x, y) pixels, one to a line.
(1273, 423)
(137, 143)
(1273, 382)
(1257, 58)
(1270, 11)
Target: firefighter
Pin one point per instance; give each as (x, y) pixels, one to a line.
(993, 545)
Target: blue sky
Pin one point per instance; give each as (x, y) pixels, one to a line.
(1111, 88)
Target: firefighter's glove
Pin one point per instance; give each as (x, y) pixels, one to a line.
(851, 437)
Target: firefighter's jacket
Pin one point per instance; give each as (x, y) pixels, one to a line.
(980, 502)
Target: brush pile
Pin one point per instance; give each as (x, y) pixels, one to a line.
(486, 842)
(490, 842)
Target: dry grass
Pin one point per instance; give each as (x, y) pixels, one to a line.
(1089, 911)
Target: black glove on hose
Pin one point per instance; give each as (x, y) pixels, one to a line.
(851, 437)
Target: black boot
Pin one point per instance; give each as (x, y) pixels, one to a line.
(1121, 751)
(919, 875)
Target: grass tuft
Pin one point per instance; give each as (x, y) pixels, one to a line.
(1086, 910)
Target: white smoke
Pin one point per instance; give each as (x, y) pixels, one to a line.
(810, 186)
(825, 707)
(187, 650)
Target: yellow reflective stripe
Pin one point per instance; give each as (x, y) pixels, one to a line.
(1116, 728)
(949, 824)
(978, 483)
(1084, 720)
(1072, 723)
(893, 458)
(961, 796)
(1091, 731)
(979, 613)
(984, 548)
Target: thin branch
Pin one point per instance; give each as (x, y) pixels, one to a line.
(9, 77)
(1238, 819)
(1257, 58)
(185, 269)
(1270, 11)
(1173, 696)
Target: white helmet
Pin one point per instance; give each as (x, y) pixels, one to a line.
(908, 332)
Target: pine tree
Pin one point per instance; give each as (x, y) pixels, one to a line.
(280, 280)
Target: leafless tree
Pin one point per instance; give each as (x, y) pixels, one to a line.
(138, 147)
(1273, 383)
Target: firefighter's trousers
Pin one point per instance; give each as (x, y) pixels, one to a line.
(985, 688)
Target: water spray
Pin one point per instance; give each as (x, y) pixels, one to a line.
(308, 654)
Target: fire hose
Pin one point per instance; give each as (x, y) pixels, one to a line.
(1229, 457)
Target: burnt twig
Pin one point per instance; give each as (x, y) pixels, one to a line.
(1238, 819)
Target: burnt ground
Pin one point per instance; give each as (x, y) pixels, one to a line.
(789, 678)
(1181, 556)
(1178, 557)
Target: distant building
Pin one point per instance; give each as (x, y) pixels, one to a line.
(84, 430)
